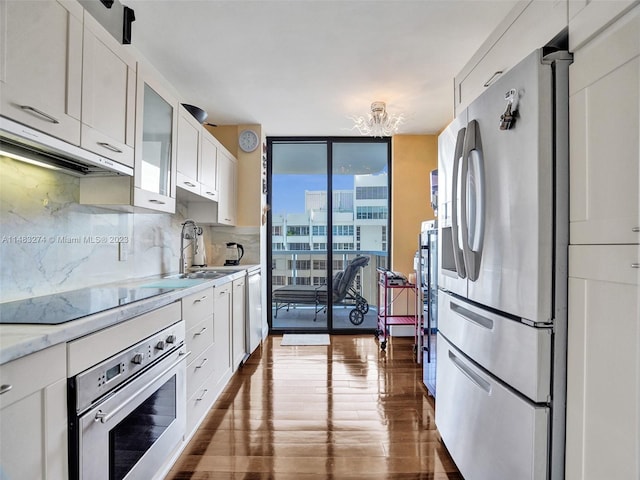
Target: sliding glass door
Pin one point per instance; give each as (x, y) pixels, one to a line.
(299, 256)
(329, 224)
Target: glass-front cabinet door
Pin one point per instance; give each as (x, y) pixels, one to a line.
(155, 168)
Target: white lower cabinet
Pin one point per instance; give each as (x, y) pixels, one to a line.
(238, 325)
(33, 416)
(222, 311)
(207, 317)
(603, 364)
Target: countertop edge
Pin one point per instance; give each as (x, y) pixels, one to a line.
(17, 341)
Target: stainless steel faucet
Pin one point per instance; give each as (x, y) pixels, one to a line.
(188, 224)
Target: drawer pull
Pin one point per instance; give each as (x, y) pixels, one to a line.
(108, 146)
(204, 394)
(160, 202)
(197, 334)
(470, 374)
(635, 229)
(635, 265)
(189, 184)
(46, 116)
(210, 193)
(204, 361)
(472, 316)
(493, 78)
(198, 300)
(5, 388)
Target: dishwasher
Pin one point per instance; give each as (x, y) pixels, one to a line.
(254, 309)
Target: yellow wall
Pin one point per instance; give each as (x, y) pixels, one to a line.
(249, 172)
(413, 158)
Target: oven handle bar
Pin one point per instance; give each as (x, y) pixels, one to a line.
(105, 417)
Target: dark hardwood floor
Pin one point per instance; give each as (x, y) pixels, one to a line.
(344, 411)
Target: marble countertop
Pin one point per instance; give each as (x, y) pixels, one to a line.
(18, 340)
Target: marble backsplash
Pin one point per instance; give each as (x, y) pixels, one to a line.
(50, 243)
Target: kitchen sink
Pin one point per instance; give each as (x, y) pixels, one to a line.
(205, 274)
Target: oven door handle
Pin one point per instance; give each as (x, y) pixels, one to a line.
(105, 417)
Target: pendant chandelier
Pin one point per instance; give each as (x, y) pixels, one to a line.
(378, 123)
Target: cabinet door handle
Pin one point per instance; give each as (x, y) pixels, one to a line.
(493, 78)
(154, 200)
(197, 334)
(108, 146)
(204, 394)
(46, 116)
(204, 361)
(5, 388)
(635, 265)
(189, 184)
(635, 229)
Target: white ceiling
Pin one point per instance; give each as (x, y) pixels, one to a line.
(302, 67)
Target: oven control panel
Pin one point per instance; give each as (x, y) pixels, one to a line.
(104, 377)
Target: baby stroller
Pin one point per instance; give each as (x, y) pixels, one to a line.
(343, 293)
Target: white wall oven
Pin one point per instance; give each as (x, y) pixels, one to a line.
(127, 413)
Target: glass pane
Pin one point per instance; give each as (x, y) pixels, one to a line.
(134, 435)
(360, 239)
(299, 235)
(157, 126)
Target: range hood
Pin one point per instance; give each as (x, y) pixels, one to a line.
(24, 143)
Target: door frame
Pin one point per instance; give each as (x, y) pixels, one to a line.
(330, 140)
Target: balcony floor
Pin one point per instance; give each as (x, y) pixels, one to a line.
(301, 317)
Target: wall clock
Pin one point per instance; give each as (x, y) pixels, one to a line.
(248, 140)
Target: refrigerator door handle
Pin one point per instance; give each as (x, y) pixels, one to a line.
(458, 254)
(472, 199)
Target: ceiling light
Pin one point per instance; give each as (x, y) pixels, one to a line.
(378, 123)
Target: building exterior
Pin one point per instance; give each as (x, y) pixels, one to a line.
(360, 225)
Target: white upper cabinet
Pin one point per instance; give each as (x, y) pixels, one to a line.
(604, 145)
(587, 18)
(155, 152)
(41, 65)
(227, 180)
(188, 151)
(108, 95)
(153, 186)
(197, 158)
(528, 26)
(208, 167)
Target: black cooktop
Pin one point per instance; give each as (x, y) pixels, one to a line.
(67, 306)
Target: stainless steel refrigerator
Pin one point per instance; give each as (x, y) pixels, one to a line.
(503, 234)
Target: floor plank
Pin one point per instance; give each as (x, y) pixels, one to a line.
(344, 411)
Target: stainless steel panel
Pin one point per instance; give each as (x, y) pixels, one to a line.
(517, 256)
(96, 423)
(518, 354)
(448, 278)
(491, 432)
